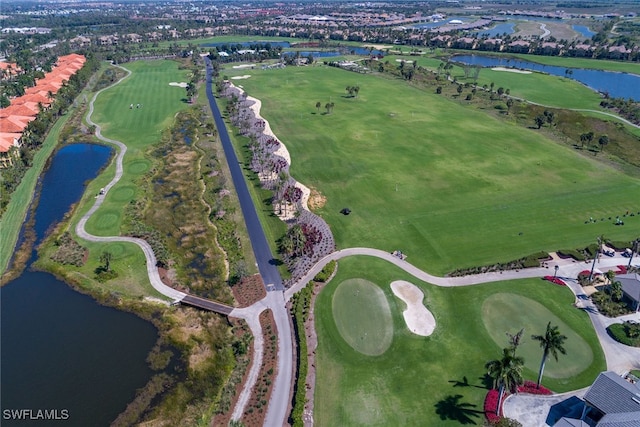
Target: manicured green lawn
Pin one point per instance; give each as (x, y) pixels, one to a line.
(138, 128)
(450, 186)
(436, 380)
(535, 87)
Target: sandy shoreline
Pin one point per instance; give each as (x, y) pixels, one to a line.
(511, 70)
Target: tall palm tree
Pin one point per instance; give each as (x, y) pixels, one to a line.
(551, 342)
(596, 256)
(506, 373)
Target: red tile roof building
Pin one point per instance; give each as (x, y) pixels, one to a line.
(23, 109)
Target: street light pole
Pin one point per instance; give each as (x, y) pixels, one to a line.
(555, 273)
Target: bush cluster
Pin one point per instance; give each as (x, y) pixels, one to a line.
(301, 304)
(68, 251)
(326, 272)
(627, 333)
(609, 306)
(529, 261)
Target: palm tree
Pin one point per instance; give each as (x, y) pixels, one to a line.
(603, 140)
(551, 342)
(596, 256)
(515, 340)
(509, 104)
(506, 373)
(540, 120)
(586, 137)
(318, 105)
(615, 291)
(105, 258)
(634, 249)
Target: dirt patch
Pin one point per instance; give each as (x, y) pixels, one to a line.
(256, 409)
(316, 200)
(250, 290)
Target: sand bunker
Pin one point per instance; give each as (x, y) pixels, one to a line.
(419, 320)
(240, 67)
(246, 76)
(511, 70)
(181, 84)
(408, 61)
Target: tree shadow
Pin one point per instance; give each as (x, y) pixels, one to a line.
(275, 261)
(465, 383)
(451, 408)
(487, 381)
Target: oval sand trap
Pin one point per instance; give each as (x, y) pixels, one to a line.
(178, 84)
(363, 316)
(419, 320)
(246, 76)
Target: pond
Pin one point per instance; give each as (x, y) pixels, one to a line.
(499, 30)
(617, 85)
(61, 350)
(585, 31)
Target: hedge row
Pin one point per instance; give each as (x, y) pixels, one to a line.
(529, 261)
(301, 304)
(326, 272)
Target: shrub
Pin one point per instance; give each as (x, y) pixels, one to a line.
(490, 405)
(532, 388)
(606, 306)
(68, 251)
(326, 272)
(627, 333)
(571, 253)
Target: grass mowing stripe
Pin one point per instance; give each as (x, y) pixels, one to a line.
(397, 153)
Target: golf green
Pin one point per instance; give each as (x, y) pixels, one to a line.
(363, 316)
(507, 313)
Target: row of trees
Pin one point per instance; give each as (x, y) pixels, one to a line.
(506, 372)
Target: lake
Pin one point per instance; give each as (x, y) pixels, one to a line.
(617, 85)
(585, 31)
(61, 350)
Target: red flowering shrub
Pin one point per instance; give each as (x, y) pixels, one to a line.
(531, 388)
(490, 405)
(555, 280)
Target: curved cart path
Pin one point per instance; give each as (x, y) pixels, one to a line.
(531, 411)
(152, 269)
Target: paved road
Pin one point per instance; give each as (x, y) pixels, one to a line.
(264, 257)
(281, 393)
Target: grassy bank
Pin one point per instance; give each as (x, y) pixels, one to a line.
(12, 220)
